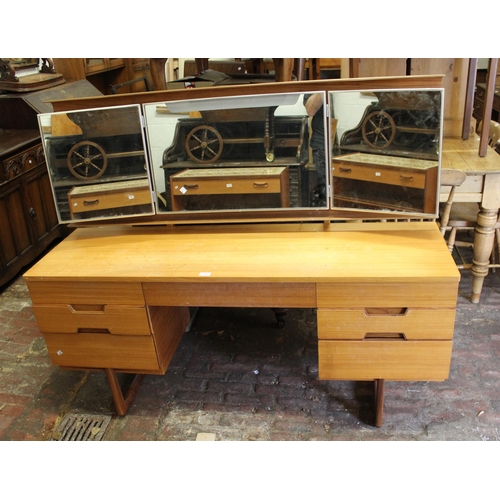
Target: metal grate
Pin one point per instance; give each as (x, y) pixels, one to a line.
(81, 427)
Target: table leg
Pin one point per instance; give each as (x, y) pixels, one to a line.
(484, 237)
(379, 401)
(122, 402)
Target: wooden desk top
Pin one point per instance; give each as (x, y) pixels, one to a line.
(463, 155)
(392, 252)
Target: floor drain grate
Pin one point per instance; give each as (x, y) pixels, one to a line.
(81, 427)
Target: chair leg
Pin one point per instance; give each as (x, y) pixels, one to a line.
(451, 238)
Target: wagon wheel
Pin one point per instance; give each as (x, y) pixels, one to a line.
(204, 144)
(87, 160)
(378, 130)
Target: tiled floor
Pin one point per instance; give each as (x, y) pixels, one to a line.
(236, 377)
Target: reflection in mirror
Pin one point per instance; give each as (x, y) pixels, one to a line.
(386, 149)
(97, 163)
(234, 153)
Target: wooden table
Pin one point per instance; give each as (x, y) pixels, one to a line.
(116, 298)
(482, 186)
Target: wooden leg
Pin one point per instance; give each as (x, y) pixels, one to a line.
(379, 401)
(484, 236)
(122, 403)
(280, 314)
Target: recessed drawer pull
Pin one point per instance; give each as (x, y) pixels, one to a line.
(93, 330)
(386, 311)
(86, 308)
(190, 186)
(384, 336)
(345, 170)
(407, 178)
(260, 185)
(87, 203)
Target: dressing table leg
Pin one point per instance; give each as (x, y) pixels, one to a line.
(379, 401)
(122, 403)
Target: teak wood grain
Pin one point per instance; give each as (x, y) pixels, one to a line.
(385, 294)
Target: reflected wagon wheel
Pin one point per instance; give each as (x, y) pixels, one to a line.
(204, 144)
(378, 130)
(87, 160)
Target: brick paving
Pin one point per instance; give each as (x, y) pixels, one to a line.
(239, 377)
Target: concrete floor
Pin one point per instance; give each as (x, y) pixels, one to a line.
(236, 377)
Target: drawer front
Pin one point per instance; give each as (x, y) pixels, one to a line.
(380, 175)
(92, 293)
(384, 359)
(100, 350)
(409, 324)
(90, 202)
(113, 319)
(227, 186)
(231, 294)
(420, 294)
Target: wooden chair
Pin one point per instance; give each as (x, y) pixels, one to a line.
(455, 217)
(493, 135)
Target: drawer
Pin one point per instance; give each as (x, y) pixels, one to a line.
(231, 294)
(227, 186)
(380, 175)
(432, 294)
(124, 195)
(92, 293)
(385, 359)
(409, 324)
(101, 350)
(77, 318)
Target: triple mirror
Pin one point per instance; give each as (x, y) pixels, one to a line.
(374, 151)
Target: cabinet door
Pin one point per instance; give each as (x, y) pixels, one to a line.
(15, 240)
(40, 206)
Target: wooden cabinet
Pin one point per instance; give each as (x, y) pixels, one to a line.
(409, 183)
(28, 219)
(104, 73)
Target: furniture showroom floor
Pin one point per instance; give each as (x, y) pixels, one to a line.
(236, 377)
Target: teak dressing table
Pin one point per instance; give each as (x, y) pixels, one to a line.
(115, 295)
(385, 294)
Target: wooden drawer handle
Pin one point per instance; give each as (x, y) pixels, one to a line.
(345, 170)
(384, 336)
(190, 186)
(86, 308)
(93, 330)
(386, 311)
(260, 185)
(88, 203)
(407, 178)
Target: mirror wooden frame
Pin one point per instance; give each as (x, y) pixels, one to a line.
(305, 214)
